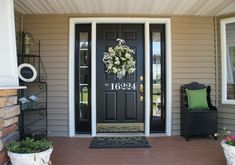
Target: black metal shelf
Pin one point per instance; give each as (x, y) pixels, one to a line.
(28, 55)
(33, 120)
(33, 109)
(36, 82)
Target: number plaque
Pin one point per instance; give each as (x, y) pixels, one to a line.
(123, 86)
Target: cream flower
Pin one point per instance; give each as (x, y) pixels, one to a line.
(119, 60)
(115, 70)
(127, 55)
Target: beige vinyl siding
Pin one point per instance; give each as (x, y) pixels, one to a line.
(193, 59)
(52, 31)
(226, 115)
(17, 21)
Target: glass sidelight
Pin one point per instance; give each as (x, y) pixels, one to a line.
(156, 74)
(83, 76)
(82, 79)
(157, 36)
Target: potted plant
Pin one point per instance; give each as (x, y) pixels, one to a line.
(28, 102)
(30, 152)
(228, 145)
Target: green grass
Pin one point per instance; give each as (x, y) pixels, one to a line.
(84, 95)
(154, 104)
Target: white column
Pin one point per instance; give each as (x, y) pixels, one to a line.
(168, 79)
(147, 80)
(8, 62)
(71, 78)
(93, 79)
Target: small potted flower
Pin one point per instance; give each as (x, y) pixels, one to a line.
(228, 145)
(30, 152)
(28, 102)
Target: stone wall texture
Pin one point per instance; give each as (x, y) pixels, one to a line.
(9, 116)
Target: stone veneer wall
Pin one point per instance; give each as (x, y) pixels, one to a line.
(9, 112)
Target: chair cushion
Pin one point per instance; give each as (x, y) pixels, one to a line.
(197, 99)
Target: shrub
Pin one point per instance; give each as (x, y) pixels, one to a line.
(30, 145)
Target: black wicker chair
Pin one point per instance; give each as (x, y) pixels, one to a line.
(198, 121)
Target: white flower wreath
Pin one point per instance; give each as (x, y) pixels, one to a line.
(119, 59)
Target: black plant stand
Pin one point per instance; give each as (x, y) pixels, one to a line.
(33, 119)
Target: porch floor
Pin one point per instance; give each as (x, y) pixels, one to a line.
(165, 151)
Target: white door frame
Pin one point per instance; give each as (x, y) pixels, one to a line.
(146, 22)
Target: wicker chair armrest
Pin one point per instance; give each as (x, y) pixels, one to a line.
(214, 108)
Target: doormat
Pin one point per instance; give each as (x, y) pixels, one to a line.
(120, 127)
(120, 142)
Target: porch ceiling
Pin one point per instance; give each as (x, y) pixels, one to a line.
(127, 7)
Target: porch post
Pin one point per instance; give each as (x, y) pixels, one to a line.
(168, 79)
(71, 78)
(8, 62)
(93, 79)
(147, 80)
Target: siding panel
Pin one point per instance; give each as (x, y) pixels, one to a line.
(193, 58)
(17, 22)
(52, 31)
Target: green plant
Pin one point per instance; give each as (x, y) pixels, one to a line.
(228, 137)
(30, 145)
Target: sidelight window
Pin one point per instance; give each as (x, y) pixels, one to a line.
(82, 78)
(157, 52)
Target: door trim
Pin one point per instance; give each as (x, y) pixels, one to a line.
(146, 22)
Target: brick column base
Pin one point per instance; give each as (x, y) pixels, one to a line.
(9, 116)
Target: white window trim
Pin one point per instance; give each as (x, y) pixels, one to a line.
(146, 22)
(224, 59)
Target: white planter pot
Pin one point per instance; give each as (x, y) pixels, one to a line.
(40, 158)
(229, 152)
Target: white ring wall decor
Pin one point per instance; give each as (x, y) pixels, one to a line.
(146, 22)
(31, 67)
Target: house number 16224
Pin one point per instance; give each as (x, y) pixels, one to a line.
(123, 86)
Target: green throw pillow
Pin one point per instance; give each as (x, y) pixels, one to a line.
(197, 99)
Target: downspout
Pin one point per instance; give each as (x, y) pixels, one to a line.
(216, 62)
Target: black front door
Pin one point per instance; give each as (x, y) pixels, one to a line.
(120, 100)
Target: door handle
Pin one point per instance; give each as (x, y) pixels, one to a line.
(141, 88)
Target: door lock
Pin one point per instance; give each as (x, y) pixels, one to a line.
(141, 78)
(141, 98)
